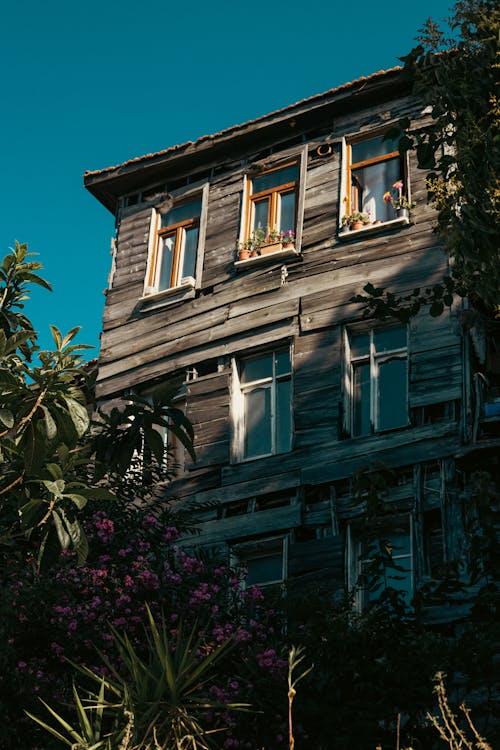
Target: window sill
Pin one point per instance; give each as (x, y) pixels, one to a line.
(371, 229)
(186, 290)
(268, 254)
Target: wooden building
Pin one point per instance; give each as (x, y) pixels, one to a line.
(290, 391)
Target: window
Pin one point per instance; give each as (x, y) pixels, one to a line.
(376, 380)
(176, 240)
(265, 560)
(262, 404)
(374, 165)
(381, 560)
(272, 201)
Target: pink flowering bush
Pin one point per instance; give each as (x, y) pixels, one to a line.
(70, 612)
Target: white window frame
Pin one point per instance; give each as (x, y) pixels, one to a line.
(375, 360)
(185, 195)
(357, 539)
(242, 552)
(170, 442)
(238, 403)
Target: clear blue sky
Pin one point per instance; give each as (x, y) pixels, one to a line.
(92, 84)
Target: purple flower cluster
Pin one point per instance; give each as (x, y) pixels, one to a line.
(75, 609)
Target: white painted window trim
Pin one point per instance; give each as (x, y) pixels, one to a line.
(375, 360)
(187, 193)
(238, 405)
(240, 552)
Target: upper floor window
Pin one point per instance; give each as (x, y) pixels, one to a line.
(271, 207)
(175, 247)
(376, 380)
(262, 404)
(374, 168)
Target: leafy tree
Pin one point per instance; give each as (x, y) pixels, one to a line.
(53, 456)
(457, 79)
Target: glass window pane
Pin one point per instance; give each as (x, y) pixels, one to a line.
(183, 212)
(261, 214)
(287, 212)
(282, 362)
(392, 394)
(190, 248)
(265, 569)
(388, 339)
(360, 345)
(361, 400)
(275, 179)
(258, 422)
(167, 246)
(373, 182)
(380, 572)
(399, 544)
(283, 416)
(256, 368)
(371, 148)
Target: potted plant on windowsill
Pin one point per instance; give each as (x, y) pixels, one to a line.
(287, 239)
(356, 220)
(272, 242)
(251, 247)
(399, 202)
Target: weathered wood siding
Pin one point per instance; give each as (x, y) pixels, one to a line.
(304, 300)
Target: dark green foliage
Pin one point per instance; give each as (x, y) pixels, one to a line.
(457, 79)
(51, 461)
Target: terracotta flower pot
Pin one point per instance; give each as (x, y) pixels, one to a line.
(244, 254)
(357, 225)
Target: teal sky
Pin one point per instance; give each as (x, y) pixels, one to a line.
(85, 86)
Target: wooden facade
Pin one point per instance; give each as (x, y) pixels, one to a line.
(300, 503)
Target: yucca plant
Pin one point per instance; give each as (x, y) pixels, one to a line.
(158, 699)
(89, 734)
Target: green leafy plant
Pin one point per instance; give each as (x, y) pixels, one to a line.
(157, 698)
(53, 459)
(350, 219)
(89, 733)
(395, 198)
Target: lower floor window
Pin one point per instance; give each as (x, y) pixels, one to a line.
(377, 380)
(264, 559)
(381, 561)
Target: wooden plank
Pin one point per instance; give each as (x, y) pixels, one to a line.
(317, 554)
(229, 493)
(238, 527)
(161, 368)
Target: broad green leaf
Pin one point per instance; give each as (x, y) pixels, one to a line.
(78, 500)
(30, 512)
(56, 335)
(62, 534)
(79, 415)
(55, 488)
(50, 426)
(70, 336)
(7, 418)
(55, 471)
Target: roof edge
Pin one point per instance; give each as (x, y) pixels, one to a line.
(90, 176)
